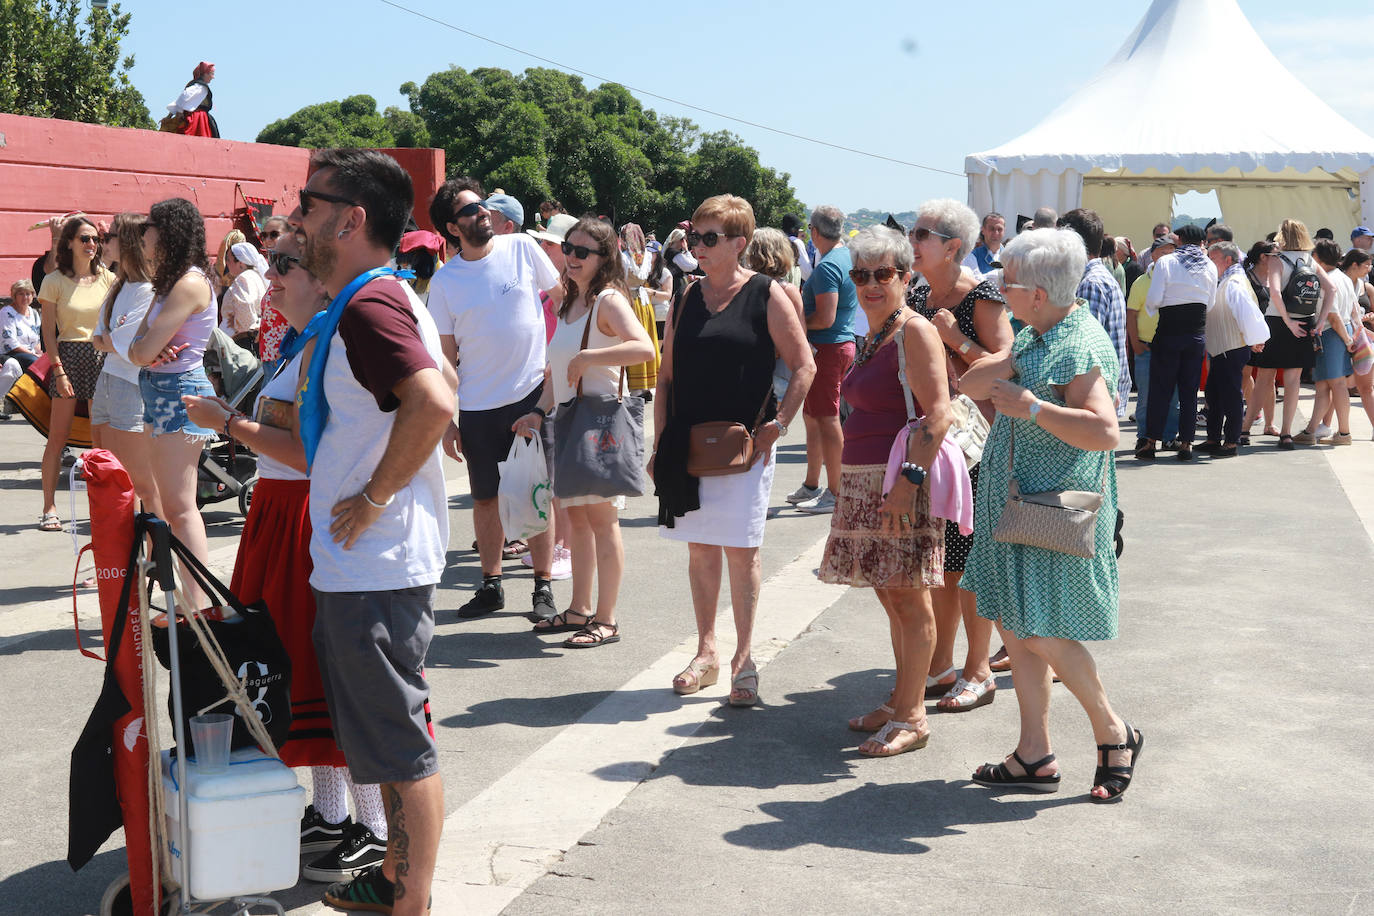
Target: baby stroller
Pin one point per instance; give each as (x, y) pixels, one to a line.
(228, 469)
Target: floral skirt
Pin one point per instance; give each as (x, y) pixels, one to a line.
(861, 554)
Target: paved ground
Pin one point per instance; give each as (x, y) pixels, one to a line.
(576, 782)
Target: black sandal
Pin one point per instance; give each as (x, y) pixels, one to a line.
(558, 623)
(1286, 443)
(593, 631)
(997, 776)
(1117, 779)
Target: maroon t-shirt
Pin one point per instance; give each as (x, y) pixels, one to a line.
(382, 340)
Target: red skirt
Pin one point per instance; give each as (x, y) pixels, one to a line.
(198, 125)
(274, 566)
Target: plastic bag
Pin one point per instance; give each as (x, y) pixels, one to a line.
(525, 494)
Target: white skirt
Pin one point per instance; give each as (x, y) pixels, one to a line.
(733, 509)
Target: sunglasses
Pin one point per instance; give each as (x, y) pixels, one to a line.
(89, 239)
(709, 239)
(308, 195)
(884, 275)
(270, 234)
(281, 263)
(581, 252)
(921, 233)
(471, 209)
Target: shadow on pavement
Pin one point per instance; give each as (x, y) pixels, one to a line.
(468, 649)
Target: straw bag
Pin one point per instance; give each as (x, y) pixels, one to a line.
(1064, 521)
(969, 429)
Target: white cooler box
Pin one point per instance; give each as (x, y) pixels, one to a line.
(245, 825)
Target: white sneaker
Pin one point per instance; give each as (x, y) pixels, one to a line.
(821, 505)
(803, 494)
(562, 562)
(1322, 431)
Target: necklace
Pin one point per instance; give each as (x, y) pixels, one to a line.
(872, 344)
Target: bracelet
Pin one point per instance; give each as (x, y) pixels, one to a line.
(227, 420)
(374, 504)
(543, 414)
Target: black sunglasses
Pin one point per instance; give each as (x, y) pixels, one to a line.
(581, 252)
(884, 275)
(281, 263)
(709, 239)
(270, 234)
(471, 209)
(308, 195)
(87, 239)
(921, 233)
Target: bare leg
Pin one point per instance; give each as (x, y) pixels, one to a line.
(541, 550)
(584, 558)
(913, 616)
(1264, 384)
(1292, 389)
(1340, 401)
(59, 427)
(174, 458)
(946, 604)
(414, 823)
(815, 454)
(746, 578)
(978, 633)
(1319, 405)
(486, 522)
(1031, 677)
(704, 563)
(1365, 384)
(604, 521)
(134, 451)
(832, 444)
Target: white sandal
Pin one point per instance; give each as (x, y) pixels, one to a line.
(891, 727)
(983, 694)
(934, 681)
(856, 723)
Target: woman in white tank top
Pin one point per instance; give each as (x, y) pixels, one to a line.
(594, 291)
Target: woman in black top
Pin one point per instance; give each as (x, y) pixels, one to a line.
(1256, 270)
(718, 365)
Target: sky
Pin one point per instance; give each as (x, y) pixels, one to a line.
(918, 81)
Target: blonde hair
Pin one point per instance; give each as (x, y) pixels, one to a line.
(770, 253)
(1293, 236)
(735, 214)
(21, 286)
(231, 238)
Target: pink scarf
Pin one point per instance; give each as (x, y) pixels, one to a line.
(951, 490)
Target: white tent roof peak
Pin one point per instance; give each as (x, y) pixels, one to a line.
(1133, 114)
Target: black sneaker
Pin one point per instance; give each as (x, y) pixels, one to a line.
(318, 835)
(358, 850)
(369, 891)
(542, 606)
(488, 599)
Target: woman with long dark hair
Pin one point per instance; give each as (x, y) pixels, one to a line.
(171, 345)
(71, 297)
(595, 301)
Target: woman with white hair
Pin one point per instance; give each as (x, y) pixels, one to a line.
(241, 309)
(883, 535)
(969, 314)
(1056, 429)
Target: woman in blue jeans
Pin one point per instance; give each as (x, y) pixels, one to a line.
(170, 346)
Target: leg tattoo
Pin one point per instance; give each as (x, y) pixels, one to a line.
(399, 839)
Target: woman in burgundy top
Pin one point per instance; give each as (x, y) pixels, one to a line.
(888, 541)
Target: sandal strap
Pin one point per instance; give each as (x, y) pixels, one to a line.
(1030, 768)
(591, 630)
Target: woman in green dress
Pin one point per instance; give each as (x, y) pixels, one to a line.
(1055, 394)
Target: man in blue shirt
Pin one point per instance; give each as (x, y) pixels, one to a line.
(830, 303)
(989, 248)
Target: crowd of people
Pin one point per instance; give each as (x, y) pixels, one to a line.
(945, 377)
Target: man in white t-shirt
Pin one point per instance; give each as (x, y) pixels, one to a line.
(491, 324)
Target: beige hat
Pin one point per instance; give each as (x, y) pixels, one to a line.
(560, 224)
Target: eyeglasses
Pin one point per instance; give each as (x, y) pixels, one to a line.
(884, 275)
(1006, 286)
(471, 209)
(88, 239)
(709, 239)
(581, 252)
(281, 263)
(921, 233)
(308, 195)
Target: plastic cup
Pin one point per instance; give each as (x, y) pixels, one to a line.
(210, 738)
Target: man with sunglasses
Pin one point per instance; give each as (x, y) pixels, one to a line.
(491, 322)
(378, 508)
(830, 302)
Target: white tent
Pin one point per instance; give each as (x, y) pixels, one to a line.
(1138, 133)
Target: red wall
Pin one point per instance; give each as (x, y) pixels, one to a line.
(50, 167)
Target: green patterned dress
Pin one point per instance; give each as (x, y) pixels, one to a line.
(1029, 590)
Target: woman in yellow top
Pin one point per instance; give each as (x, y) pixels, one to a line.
(71, 297)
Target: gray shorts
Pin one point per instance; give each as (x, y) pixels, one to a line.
(371, 648)
(118, 403)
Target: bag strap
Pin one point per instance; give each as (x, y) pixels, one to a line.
(1011, 452)
(586, 335)
(899, 341)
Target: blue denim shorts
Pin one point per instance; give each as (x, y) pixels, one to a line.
(163, 411)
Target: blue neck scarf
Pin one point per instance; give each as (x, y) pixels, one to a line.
(310, 400)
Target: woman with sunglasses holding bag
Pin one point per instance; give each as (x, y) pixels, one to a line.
(717, 370)
(1056, 429)
(883, 536)
(595, 307)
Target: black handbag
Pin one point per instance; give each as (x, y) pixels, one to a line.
(255, 654)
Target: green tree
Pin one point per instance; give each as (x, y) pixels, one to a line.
(354, 121)
(56, 62)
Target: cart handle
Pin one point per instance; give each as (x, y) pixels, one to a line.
(76, 621)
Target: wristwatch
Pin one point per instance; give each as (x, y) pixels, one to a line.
(1034, 411)
(782, 427)
(914, 473)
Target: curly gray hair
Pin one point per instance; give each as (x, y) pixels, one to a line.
(877, 245)
(1048, 259)
(953, 219)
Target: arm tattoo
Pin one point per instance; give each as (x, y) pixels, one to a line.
(926, 437)
(398, 840)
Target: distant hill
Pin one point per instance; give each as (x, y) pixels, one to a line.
(860, 219)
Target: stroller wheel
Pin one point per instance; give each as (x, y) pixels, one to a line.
(117, 902)
(246, 495)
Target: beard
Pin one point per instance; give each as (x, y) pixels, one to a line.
(481, 234)
(318, 253)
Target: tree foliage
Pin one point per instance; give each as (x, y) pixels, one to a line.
(542, 134)
(56, 62)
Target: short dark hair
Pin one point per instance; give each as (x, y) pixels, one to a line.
(1189, 234)
(445, 204)
(1220, 232)
(791, 224)
(1087, 224)
(1259, 250)
(377, 183)
(1327, 252)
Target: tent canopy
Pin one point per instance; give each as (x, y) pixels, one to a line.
(1130, 139)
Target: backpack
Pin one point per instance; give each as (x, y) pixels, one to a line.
(1303, 291)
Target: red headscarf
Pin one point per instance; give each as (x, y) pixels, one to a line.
(201, 68)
